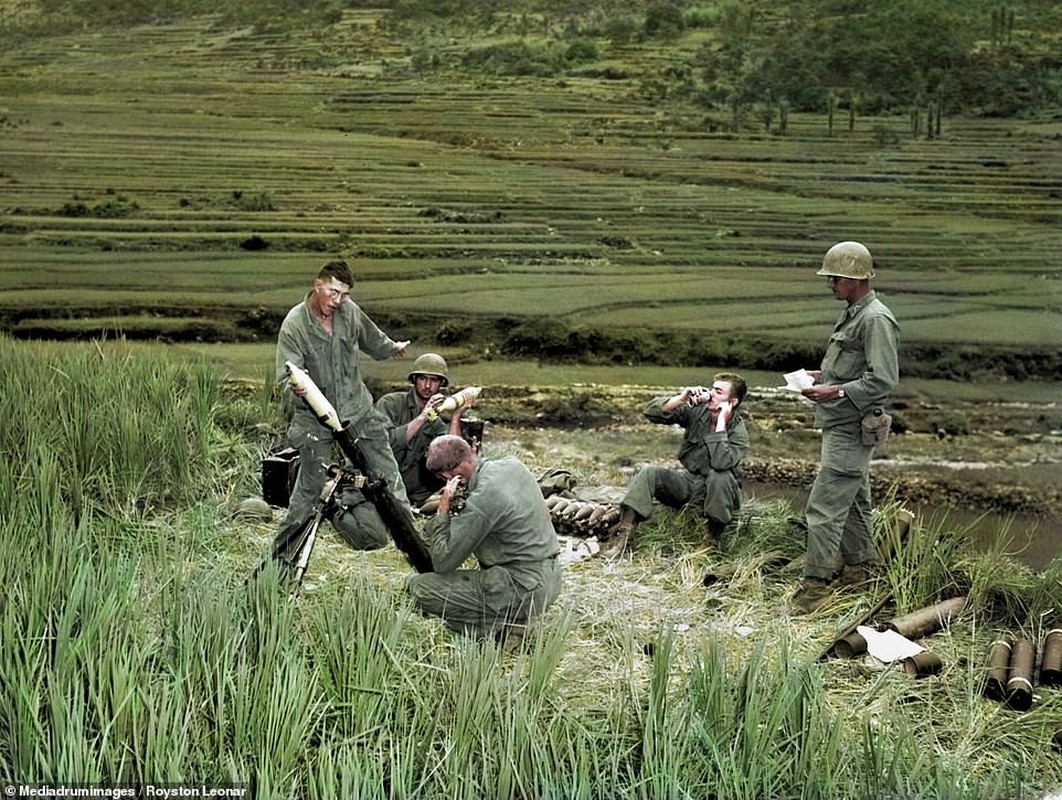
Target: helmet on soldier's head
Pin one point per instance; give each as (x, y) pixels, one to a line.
(429, 364)
(848, 260)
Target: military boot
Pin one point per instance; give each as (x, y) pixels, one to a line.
(814, 592)
(623, 536)
(855, 575)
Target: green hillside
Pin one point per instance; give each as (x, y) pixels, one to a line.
(608, 182)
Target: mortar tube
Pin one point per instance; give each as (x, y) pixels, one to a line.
(927, 620)
(1051, 666)
(1020, 675)
(996, 670)
(850, 646)
(922, 665)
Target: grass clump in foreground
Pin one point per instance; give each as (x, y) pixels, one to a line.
(133, 650)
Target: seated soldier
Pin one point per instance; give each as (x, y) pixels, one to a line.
(413, 424)
(494, 510)
(713, 445)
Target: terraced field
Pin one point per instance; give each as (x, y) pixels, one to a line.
(185, 180)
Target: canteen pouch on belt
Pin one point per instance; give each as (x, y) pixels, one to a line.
(875, 427)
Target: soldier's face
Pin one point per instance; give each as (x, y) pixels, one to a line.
(720, 394)
(426, 386)
(841, 287)
(330, 294)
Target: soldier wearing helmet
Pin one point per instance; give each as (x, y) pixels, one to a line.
(413, 425)
(851, 388)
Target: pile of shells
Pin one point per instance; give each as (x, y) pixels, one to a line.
(581, 517)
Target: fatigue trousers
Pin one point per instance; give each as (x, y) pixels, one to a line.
(356, 519)
(717, 496)
(838, 509)
(481, 602)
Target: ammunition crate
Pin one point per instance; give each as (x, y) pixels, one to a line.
(279, 470)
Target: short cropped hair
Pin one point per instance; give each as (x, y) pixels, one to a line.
(447, 452)
(337, 269)
(738, 387)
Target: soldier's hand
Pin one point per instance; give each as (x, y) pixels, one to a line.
(821, 394)
(725, 410)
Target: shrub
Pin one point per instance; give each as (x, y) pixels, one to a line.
(664, 20)
(253, 202)
(582, 50)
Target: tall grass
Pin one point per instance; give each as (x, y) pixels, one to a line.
(132, 650)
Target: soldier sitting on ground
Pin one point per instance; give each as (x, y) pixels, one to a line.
(414, 422)
(714, 443)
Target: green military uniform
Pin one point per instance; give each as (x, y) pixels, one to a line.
(400, 408)
(861, 357)
(505, 524)
(331, 360)
(709, 480)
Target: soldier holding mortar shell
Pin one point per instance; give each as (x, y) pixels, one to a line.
(413, 419)
(324, 335)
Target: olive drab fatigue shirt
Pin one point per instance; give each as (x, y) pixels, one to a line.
(332, 361)
(862, 358)
(703, 451)
(504, 523)
(400, 408)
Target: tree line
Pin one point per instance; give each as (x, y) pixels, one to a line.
(756, 59)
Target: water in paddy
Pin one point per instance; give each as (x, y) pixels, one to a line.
(1033, 540)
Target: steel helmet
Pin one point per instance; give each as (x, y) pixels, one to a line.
(848, 260)
(429, 364)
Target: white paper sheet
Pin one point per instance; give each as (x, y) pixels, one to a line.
(798, 380)
(888, 646)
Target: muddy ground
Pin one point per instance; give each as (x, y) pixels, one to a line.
(998, 457)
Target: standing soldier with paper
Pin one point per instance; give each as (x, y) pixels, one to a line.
(851, 387)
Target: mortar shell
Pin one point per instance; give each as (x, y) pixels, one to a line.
(559, 504)
(1051, 666)
(996, 670)
(1020, 675)
(599, 512)
(573, 508)
(584, 512)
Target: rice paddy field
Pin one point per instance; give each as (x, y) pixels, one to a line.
(179, 183)
(185, 180)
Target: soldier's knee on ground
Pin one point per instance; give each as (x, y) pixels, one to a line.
(360, 526)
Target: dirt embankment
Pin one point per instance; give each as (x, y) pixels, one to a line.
(1003, 457)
